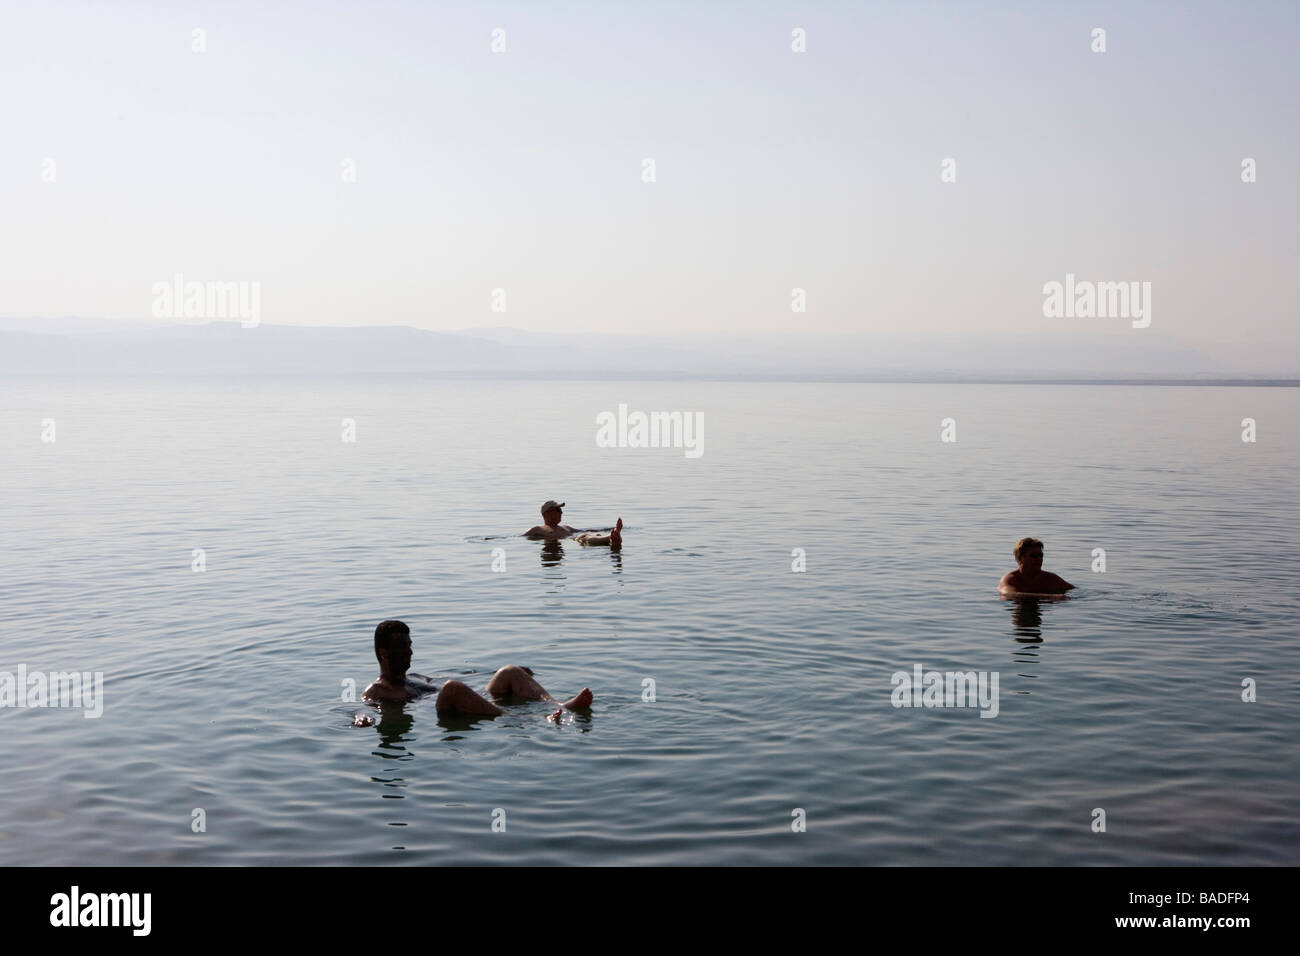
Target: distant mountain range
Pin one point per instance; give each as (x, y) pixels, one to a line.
(74, 346)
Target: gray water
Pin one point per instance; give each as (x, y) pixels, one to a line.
(224, 689)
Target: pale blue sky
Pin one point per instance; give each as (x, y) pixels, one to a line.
(521, 170)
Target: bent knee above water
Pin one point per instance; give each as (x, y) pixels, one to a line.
(513, 679)
(452, 692)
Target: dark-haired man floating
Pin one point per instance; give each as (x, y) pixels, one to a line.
(1029, 579)
(552, 530)
(393, 648)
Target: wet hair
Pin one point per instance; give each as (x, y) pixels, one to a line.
(1023, 545)
(386, 634)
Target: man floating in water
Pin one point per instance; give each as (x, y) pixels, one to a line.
(1029, 579)
(552, 530)
(393, 648)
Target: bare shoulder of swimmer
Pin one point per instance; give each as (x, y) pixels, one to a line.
(381, 691)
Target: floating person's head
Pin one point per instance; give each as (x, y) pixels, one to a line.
(552, 511)
(1029, 554)
(393, 648)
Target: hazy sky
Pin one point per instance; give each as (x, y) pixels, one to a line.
(522, 170)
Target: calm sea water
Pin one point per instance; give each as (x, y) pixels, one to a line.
(224, 689)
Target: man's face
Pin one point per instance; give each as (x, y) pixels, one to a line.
(553, 516)
(1031, 559)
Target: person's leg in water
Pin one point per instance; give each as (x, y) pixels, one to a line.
(614, 539)
(458, 698)
(516, 681)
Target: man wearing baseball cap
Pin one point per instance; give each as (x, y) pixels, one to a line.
(552, 530)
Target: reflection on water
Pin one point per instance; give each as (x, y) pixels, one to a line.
(1027, 632)
(1027, 620)
(394, 725)
(578, 720)
(458, 724)
(552, 552)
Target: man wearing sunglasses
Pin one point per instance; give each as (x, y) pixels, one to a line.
(1029, 579)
